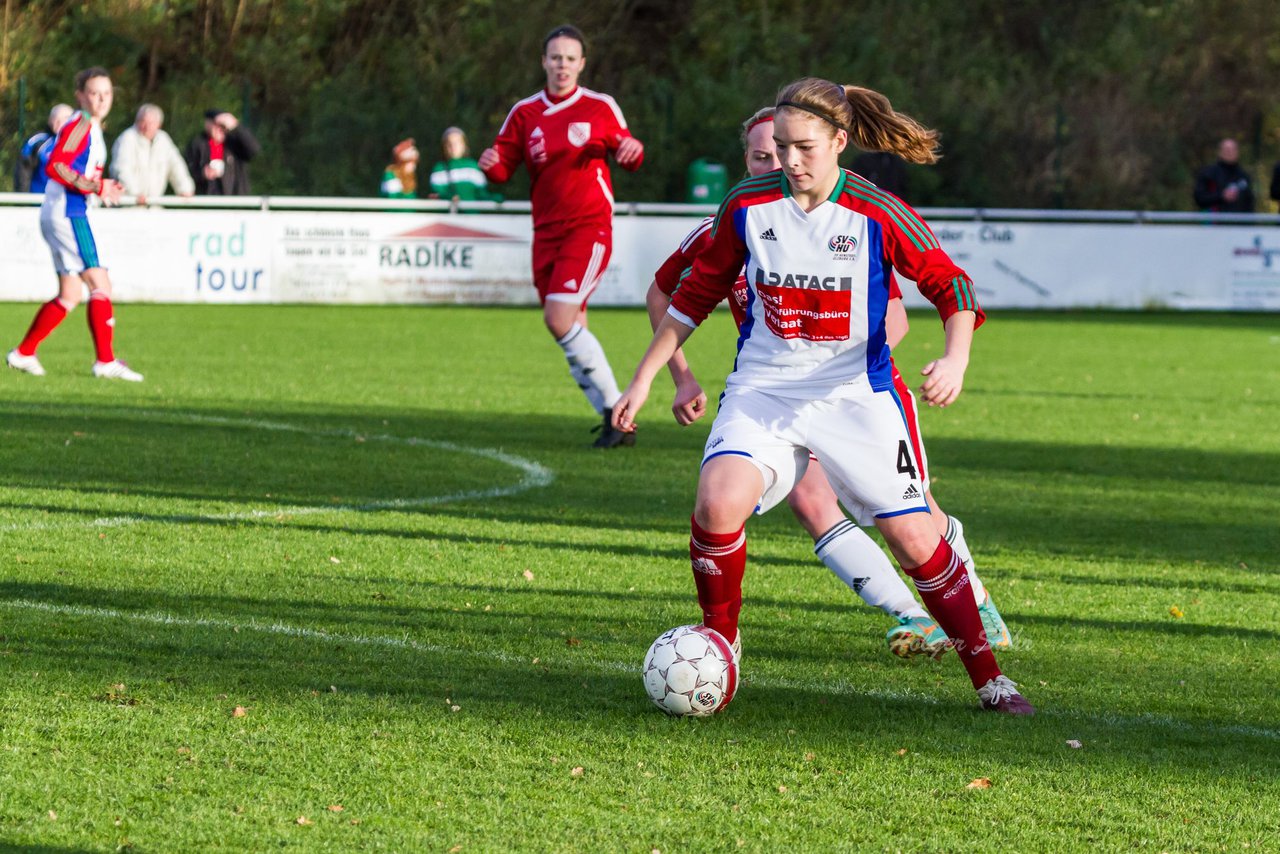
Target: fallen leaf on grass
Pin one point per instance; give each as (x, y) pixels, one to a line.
(528, 576)
(1175, 612)
(334, 808)
(577, 771)
(239, 712)
(304, 821)
(334, 559)
(1074, 744)
(979, 783)
(455, 708)
(782, 789)
(809, 757)
(902, 751)
(455, 849)
(53, 816)
(572, 642)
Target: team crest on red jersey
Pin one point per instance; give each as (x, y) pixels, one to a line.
(579, 133)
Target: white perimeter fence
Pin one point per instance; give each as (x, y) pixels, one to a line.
(321, 250)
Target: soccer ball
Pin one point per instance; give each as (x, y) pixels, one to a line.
(690, 671)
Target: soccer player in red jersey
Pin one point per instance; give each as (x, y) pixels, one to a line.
(813, 373)
(75, 178)
(564, 135)
(840, 544)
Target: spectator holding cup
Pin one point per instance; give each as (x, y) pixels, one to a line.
(219, 157)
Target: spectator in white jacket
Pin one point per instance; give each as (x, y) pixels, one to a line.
(145, 160)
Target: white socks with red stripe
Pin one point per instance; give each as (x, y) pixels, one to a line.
(857, 561)
(590, 367)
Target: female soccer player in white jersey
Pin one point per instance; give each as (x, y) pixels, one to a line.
(75, 176)
(813, 372)
(840, 544)
(563, 135)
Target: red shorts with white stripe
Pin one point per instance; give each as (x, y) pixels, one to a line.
(567, 267)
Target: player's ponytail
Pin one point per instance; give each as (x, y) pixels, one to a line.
(877, 126)
(870, 120)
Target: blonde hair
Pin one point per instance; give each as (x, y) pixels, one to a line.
(761, 115)
(871, 121)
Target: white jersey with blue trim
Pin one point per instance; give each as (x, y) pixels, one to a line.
(818, 284)
(81, 148)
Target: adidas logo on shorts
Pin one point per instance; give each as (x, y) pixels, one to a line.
(911, 492)
(768, 234)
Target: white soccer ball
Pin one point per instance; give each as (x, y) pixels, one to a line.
(690, 671)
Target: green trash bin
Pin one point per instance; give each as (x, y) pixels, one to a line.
(708, 182)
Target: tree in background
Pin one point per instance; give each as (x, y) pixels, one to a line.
(1110, 104)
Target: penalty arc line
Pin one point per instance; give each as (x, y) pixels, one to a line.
(319, 635)
(534, 475)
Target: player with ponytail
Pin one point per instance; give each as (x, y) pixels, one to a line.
(813, 374)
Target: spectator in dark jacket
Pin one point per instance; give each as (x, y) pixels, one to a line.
(1224, 186)
(218, 158)
(1275, 183)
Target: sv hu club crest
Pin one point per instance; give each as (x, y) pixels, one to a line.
(842, 244)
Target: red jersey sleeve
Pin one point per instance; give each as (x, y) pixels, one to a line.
(68, 151)
(510, 148)
(913, 249)
(668, 276)
(715, 270)
(615, 134)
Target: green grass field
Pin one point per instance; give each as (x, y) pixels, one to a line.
(349, 578)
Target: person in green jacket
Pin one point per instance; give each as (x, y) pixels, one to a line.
(458, 177)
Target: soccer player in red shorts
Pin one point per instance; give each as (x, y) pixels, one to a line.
(564, 135)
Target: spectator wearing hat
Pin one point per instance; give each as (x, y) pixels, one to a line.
(458, 177)
(219, 157)
(400, 178)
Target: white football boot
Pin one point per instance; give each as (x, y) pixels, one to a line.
(116, 370)
(29, 364)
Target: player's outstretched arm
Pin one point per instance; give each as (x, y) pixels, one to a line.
(945, 375)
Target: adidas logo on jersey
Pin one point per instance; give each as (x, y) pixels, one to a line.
(911, 492)
(537, 133)
(768, 234)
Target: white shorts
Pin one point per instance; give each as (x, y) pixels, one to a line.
(71, 243)
(862, 442)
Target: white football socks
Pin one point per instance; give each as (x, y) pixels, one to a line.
(590, 367)
(858, 562)
(955, 536)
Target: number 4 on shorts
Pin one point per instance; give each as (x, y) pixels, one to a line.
(904, 460)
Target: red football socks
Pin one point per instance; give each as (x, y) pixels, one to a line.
(944, 586)
(102, 323)
(719, 561)
(47, 319)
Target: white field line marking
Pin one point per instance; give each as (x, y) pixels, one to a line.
(840, 688)
(533, 475)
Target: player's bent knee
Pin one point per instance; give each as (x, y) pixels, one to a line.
(729, 489)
